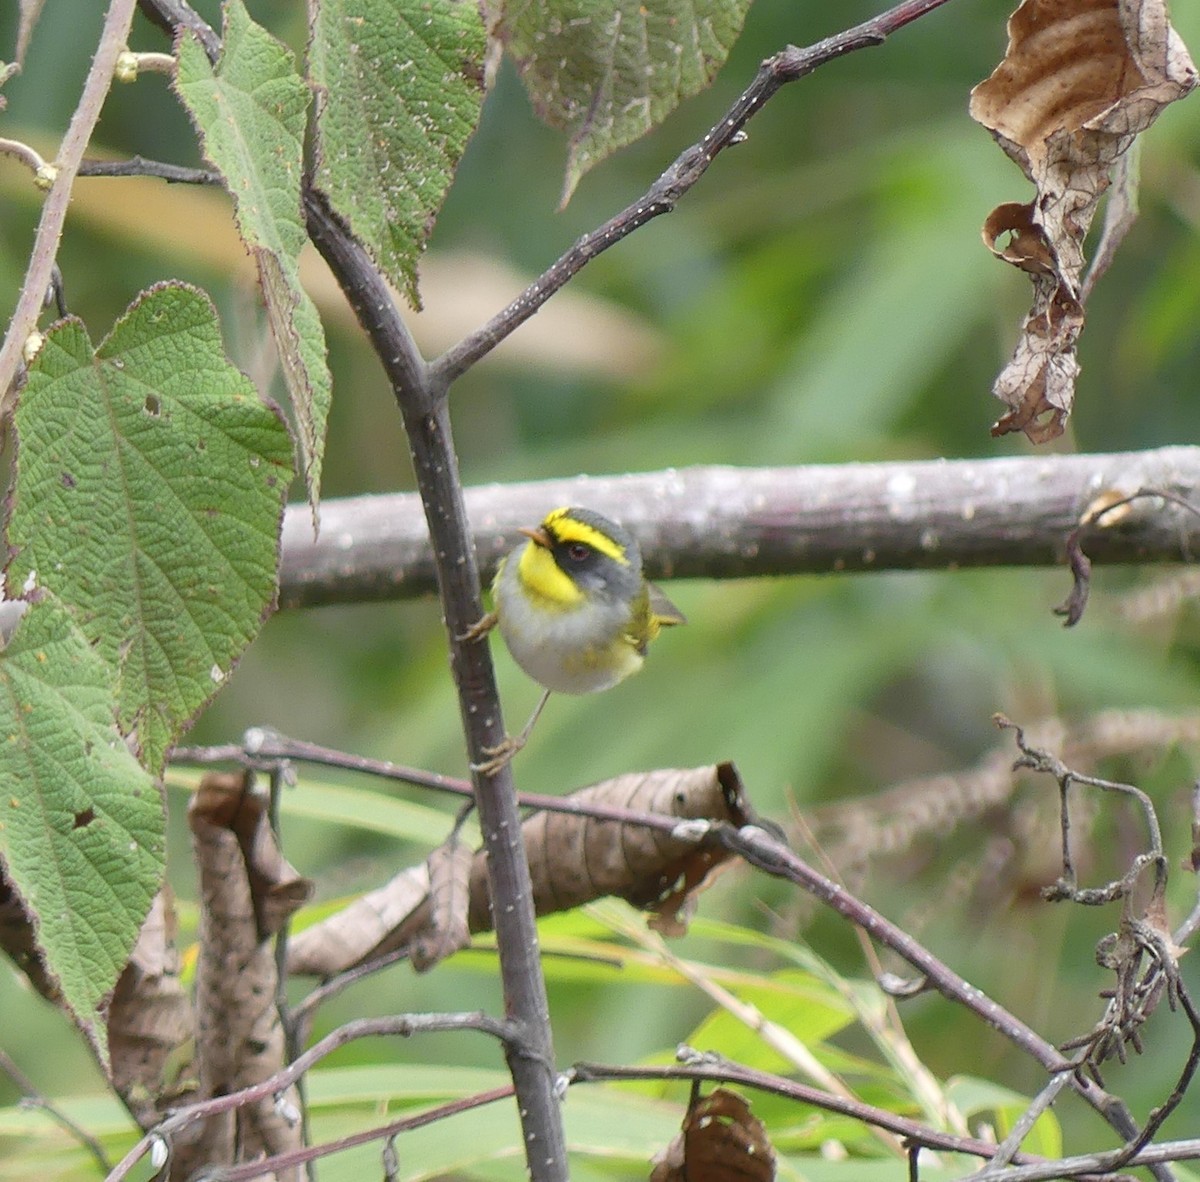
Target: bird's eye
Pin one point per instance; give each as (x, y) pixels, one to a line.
(577, 551)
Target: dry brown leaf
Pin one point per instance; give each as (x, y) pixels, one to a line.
(572, 861)
(245, 888)
(150, 1018)
(371, 925)
(1080, 80)
(449, 884)
(721, 1141)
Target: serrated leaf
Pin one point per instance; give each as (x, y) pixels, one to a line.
(148, 496)
(399, 92)
(608, 71)
(81, 822)
(250, 113)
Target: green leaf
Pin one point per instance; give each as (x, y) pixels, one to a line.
(81, 823)
(250, 113)
(973, 1097)
(608, 71)
(148, 496)
(399, 92)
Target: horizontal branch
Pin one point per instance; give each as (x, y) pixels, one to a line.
(724, 522)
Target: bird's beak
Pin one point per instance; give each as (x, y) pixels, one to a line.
(538, 536)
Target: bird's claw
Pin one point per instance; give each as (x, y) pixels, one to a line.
(501, 755)
(480, 628)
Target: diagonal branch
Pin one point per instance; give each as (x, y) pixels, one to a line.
(789, 65)
(762, 849)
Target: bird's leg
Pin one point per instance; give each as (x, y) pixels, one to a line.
(503, 752)
(481, 627)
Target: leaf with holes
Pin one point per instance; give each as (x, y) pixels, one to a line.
(250, 113)
(148, 496)
(81, 823)
(399, 91)
(608, 71)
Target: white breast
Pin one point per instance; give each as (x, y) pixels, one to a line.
(570, 651)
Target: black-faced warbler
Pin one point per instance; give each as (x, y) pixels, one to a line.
(574, 610)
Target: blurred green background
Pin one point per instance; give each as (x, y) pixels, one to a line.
(821, 296)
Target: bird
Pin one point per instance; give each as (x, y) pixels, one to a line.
(574, 610)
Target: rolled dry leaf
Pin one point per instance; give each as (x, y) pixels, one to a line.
(150, 1019)
(245, 886)
(721, 1141)
(572, 860)
(449, 887)
(368, 927)
(1081, 79)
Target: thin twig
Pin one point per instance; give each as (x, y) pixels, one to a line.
(1152, 1157)
(1007, 1150)
(789, 65)
(279, 1164)
(400, 1025)
(31, 1097)
(25, 153)
(1073, 607)
(762, 849)
(113, 36)
(266, 748)
(140, 166)
(1037, 760)
(717, 1070)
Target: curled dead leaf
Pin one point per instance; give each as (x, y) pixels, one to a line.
(449, 886)
(247, 889)
(576, 859)
(150, 1018)
(573, 859)
(722, 1140)
(1081, 79)
(1026, 247)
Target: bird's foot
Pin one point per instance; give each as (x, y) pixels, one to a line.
(500, 755)
(480, 628)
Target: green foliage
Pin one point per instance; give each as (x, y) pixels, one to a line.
(80, 820)
(250, 111)
(399, 94)
(607, 73)
(821, 296)
(149, 485)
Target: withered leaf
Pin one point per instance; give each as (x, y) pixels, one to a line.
(721, 1141)
(572, 859)
(1081, 79)
(374, 923)
(449, 883)
(150, 1017)
(246, 890)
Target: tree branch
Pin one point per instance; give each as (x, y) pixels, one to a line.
(719, 522)
(763, 850)
(421, 398)
(789, 65)
(425, 411)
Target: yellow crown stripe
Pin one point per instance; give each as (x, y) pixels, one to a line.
(562, 527)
